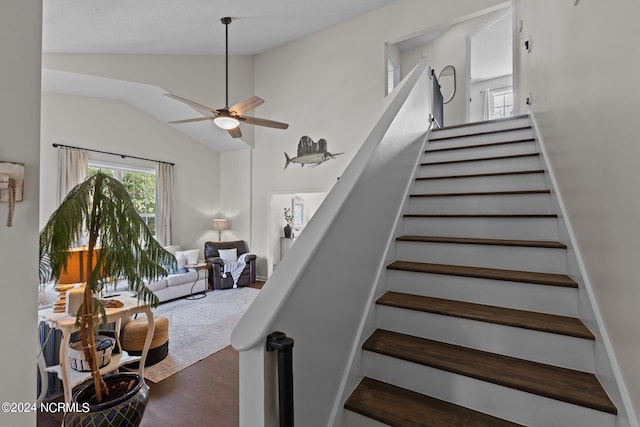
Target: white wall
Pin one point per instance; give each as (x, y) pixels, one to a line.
(580, 73)
(235, 194)
(20, 38)
(329, 85)
(114, 126)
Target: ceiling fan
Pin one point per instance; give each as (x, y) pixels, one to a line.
(229, 118)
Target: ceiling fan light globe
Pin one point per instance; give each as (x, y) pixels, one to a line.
(226, 122)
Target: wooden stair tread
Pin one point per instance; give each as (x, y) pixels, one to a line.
(481, 159)
(480, 215)
(492, 144)
(551, 323)
(575, 387)
(397, 406)
(477, 241)
(550, 279)
(483, 193)
(479, 122)
(435, 137)
(481, 175)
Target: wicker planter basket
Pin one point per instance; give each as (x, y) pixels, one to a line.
(104, 347)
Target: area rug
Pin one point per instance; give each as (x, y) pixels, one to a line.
(199, 328)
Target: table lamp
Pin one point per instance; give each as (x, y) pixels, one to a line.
(219, 225)
(77, 271)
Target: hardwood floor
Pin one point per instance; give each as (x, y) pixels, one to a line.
(205, 393)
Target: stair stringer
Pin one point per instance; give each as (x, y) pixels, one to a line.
(354, 370)
(606, 367)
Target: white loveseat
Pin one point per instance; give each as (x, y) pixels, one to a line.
(179, 284)
(175, 285)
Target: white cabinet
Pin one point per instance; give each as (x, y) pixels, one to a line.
(285, 244)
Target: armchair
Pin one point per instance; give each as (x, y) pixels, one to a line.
(216, 264)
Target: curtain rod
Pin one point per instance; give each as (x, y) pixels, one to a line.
(124, 156)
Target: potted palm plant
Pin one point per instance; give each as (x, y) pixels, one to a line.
(100, 213)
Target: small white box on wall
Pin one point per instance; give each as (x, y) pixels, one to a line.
(11, 170)
(4, 181)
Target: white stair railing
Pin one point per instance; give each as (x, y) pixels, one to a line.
(320, 291)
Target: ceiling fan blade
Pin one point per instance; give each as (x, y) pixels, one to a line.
(188, 102)
(197, 119)
(247, 105)
(263, 122)
(235, 132)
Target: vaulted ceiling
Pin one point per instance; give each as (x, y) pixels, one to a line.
(187, 26)
(177, 27)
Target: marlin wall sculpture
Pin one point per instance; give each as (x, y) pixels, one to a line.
(310, 153)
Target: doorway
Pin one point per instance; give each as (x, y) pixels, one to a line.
(301, 207)
(490, 74)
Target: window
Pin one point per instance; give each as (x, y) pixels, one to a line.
(393, 70)
(502, 101)
(141, 184)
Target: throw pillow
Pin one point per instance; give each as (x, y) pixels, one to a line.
(192, 256)
(173, 249)
(181, 258)
(228, 254)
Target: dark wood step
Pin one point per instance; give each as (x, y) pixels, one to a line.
(484, 193)
(476, 241)
(480, 122)
(575, 387)
(481, 159)
(492, 144)
(550, 279)
(551, 323)
(397, 406)
(480, 216)
(435, 137)
(481, 175)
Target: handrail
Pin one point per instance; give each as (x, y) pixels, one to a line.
(319, 291)
(280, 342)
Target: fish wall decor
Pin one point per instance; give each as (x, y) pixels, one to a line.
(310, 153)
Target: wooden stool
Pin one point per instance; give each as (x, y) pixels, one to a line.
(134, 334)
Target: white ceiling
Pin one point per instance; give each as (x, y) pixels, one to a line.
(188, 26)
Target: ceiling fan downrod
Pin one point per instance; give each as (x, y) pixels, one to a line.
(226, 21)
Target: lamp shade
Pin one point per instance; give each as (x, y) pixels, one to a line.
(220, 224)
(78, 270)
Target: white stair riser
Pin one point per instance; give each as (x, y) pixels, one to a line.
(558, 300)
(493, 228)
(481, 166)
(536, 346)
(546, 260)
(502, 402)
(481, 127)
(480, 152)
(352, 419)
(537, 203)
(533, 181)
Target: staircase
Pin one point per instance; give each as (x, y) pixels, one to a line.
(479, 326)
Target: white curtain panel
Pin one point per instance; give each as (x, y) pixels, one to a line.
(486, 107)
(72, 169)
(164, 202)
